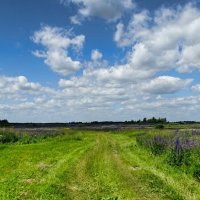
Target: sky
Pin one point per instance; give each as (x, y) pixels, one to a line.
(92, 60)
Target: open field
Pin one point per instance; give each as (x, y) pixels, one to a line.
(106, 165)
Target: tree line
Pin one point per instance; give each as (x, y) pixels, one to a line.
(4, 123)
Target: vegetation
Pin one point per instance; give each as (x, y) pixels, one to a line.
(152, 120)
(80, 164)
(11, 136)
(4, 123)
(179, 146)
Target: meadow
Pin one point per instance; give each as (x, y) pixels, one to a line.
(103, 165)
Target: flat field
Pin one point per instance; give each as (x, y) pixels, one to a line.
(102, 165)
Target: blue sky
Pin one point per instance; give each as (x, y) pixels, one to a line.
(86, 60)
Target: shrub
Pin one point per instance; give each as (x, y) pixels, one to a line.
(4, 123)
(8, 137)
(196, 173)
(160, 126)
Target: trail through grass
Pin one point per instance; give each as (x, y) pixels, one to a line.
(90, 165)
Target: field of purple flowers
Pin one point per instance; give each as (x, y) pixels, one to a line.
(180, 148)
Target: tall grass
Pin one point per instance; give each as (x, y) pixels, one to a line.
(10, 136)
(179, 148)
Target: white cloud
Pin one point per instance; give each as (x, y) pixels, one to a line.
(75, 20)
(20, 86)
(190, 58)
(131, 89)
(56, 42)
(168, 39)
(96, 55)
(10, 85)
(196, 88)
(109, 10)
(165, 85)
(120, 73)
(137, 27)
(88, 94)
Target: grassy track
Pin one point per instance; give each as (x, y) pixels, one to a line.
(90, 165)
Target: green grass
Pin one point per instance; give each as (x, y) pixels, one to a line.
(91, 165)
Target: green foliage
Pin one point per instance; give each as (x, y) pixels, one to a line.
(179, 148)
(4, 123)
(80, 165)
(160, 126)
(8, 136)
(11, 136)
(196, 172)
(179, 158)
(154, 120)
(155, 143)
(176, 158)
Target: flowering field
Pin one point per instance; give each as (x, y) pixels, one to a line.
(106, 165)
(181, 147)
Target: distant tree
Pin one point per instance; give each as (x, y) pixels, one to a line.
(154, 120)
(4, 123)
(144, 120)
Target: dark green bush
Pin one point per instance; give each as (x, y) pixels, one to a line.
(176, 158)
(157, 148)
(196, 173)
(160, 126)
(8, 137)
(4, 123)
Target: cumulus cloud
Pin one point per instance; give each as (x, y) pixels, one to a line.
(93, 94)
(56, 42)
(17, 86)
(96, 55)
(91, 91)
(13, 84)
(165, 85)
(130, 89)
(169, 39)
(136, 28)
(120, 73)
(196, 88)
(19, 97)
(109, 10)
(87, 95)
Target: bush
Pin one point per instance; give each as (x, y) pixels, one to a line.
(196, 173)
(160, 126)
(8, 137)
(4, 123)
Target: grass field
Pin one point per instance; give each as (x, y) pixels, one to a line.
(93, 165)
